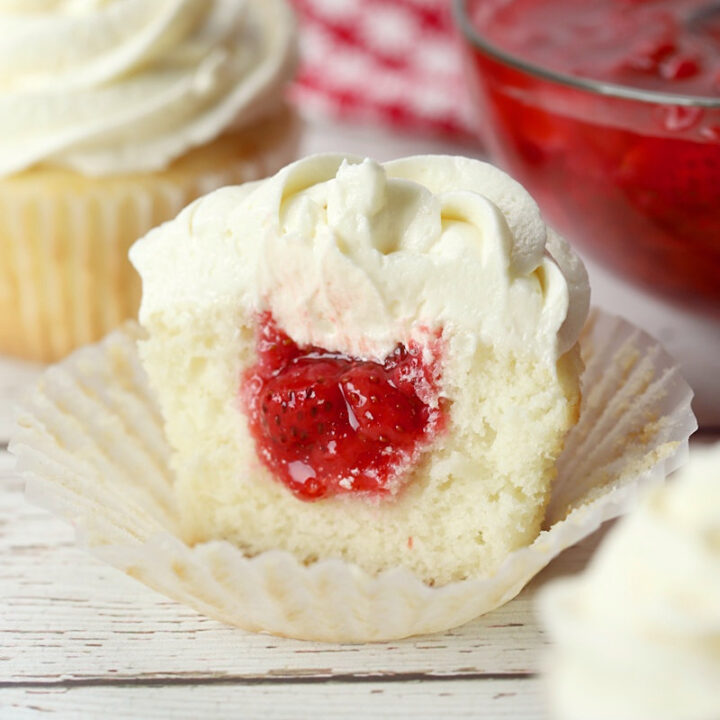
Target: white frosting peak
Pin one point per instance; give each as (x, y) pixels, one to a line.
(105, 86)
(355, 256)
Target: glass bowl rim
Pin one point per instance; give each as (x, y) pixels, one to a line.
(598, 87)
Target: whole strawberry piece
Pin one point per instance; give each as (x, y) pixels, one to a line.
(381, 412)
(302, 405)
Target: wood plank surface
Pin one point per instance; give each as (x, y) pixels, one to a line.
(491, 700)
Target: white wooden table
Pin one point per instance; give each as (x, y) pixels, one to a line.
(81, 640)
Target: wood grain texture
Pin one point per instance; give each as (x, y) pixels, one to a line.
(491, 700)
(67, 617)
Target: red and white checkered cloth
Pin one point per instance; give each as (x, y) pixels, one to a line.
(392, 62)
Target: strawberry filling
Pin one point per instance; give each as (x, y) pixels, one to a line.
(325, 423)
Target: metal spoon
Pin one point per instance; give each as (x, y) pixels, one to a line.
(702, 15)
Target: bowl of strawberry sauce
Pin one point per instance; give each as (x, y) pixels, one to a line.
(609, 112)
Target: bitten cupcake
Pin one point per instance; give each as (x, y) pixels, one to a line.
(637, 636)
(344, 415)
(371, 362)
(113, 116)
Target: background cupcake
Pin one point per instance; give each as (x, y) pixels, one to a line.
(637, 636)
(113, 116)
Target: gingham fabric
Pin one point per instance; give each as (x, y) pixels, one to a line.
(392, 62)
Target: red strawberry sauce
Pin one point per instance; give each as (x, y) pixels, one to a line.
(635, 181)
(325, 423)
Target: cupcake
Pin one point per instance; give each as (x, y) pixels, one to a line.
(637, 636)
(113, 116)
(377, 363)
(352, 411)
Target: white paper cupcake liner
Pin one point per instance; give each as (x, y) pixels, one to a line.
(90, 443)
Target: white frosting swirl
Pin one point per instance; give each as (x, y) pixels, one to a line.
(109, 86)
(355, 256)
(638, 635)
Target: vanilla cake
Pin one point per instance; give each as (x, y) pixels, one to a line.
(372, 362)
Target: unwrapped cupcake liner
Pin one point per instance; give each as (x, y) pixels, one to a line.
(91, 444)
(65, 279)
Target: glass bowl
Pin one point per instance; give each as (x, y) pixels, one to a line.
(631, 176)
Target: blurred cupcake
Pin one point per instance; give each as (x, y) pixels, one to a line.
(113, 116)
(638, 635)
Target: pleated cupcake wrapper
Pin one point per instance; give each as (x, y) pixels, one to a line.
(91, 444)
(65, 279)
